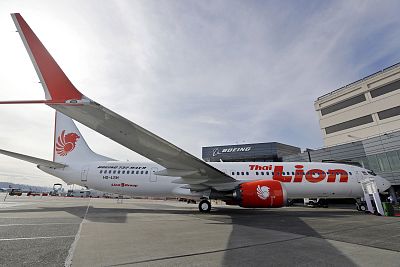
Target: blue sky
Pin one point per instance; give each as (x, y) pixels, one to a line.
(197, 73)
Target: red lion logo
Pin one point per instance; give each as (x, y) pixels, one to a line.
(66, 143)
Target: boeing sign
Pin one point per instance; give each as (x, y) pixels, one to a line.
(216, 151)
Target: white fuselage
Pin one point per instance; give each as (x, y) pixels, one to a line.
(301, 180)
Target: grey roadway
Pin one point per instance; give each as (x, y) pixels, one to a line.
(100, 232)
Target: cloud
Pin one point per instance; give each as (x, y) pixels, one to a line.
(197, 73)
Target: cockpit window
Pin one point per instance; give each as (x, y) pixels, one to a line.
(364, 172)
(372, 173)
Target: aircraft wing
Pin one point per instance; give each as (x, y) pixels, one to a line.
(38, 161)
(62, 95)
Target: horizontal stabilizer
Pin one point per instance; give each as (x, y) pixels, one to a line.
(41, 162)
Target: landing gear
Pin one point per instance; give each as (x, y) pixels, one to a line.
(361, 206)
(205, 205)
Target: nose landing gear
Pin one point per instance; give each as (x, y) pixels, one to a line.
(205, 205)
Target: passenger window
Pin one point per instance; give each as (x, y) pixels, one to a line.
(137, 172)
(247, 173)
(141, 172)
(256, 173)
(101, 171)
(272, 173)
(119, 172)
(147, 172)
(109, 171)
(114, 171)
(123, 172)
(127, 172)
(237, 173)
(267, 173)
(350, 173)
(262, 173)
(292, 173)
(233, 173)
(242, 173)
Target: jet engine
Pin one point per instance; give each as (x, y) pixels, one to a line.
(261, 194)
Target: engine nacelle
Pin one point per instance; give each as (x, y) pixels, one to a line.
(261, 194)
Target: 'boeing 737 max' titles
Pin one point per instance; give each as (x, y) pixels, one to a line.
(173, 171)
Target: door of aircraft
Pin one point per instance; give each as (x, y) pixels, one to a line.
(153, 176)
(84, 173)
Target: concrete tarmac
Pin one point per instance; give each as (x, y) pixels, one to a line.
(55, 231)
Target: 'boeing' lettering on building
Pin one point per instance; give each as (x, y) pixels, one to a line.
(230, 150)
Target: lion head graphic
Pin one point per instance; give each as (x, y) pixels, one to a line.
(66, 143)
(263, 192)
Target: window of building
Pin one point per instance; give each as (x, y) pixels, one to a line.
(388, 113)
(373, 163)
(349, 124)
(385, 89)
(394, 160)
(383, 162)
(343, 104)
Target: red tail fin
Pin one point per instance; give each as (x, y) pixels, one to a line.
(56, 85)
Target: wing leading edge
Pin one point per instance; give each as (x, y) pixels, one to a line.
(64, 97)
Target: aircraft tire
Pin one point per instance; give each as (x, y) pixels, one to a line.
(204, 206)
(363, 207)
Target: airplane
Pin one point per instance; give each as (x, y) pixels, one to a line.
(172, 171)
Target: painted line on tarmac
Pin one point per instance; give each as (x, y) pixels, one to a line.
(68, 260)
(209, 252)
(33, 224)
(37, 237)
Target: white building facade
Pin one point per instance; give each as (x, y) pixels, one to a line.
(366, 108)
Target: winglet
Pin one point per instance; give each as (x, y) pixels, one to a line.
(57, 87)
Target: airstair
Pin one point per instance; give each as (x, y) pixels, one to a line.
(369, 188)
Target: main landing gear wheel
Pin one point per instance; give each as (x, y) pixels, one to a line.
(204, 206)
(361, 207)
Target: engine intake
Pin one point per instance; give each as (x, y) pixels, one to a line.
(261, 194)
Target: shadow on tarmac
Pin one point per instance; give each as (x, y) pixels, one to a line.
(258, 237)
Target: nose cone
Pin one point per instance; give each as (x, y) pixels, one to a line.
(382, 183)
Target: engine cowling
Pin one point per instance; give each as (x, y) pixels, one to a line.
(261, 194)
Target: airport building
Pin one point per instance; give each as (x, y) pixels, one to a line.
(272, 151)
(360, 123)
(365, 108)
